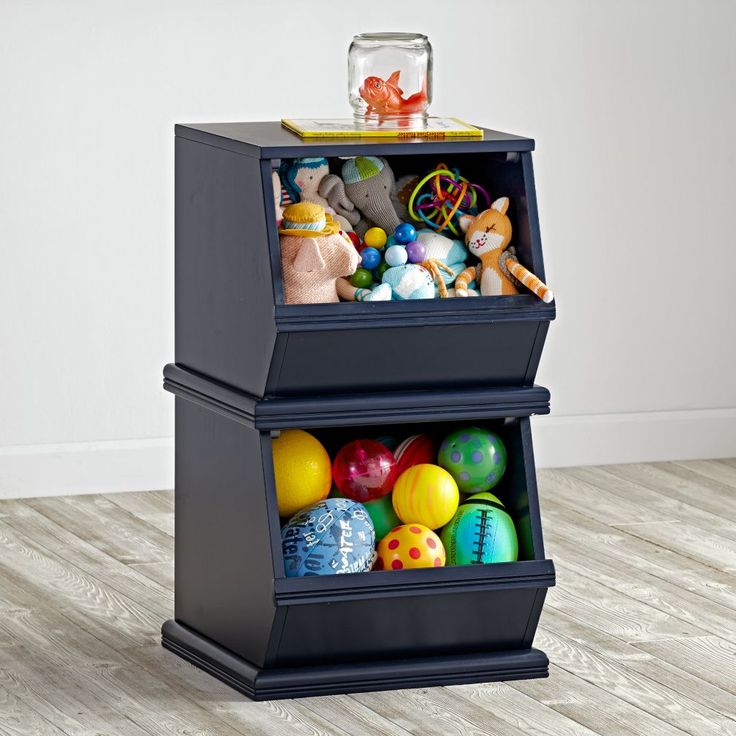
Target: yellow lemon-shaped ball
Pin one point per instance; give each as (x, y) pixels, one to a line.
(302, 471)
(375, 237)
(426, 494)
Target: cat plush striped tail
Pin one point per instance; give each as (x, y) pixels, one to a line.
(462, 282)
(525, 277)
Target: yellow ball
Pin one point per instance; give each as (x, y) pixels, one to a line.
(426, 494)
(410, 546)
(375, 237)
(302, 471)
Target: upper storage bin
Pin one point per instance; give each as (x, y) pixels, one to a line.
(231, 320)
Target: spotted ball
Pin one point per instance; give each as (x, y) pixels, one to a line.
(475, 457)
(410, 546)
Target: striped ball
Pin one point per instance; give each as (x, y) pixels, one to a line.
(426, 494)
(414, 450)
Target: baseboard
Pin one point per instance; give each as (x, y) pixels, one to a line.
(604, 439)
(86, 467)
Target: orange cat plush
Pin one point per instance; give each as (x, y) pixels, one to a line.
(487, 236)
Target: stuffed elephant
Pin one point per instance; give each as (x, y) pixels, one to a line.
(369, 184)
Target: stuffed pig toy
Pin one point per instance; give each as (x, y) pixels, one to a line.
(314, 254)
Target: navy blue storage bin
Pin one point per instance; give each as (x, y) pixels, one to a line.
(232, 324)
(238, 617)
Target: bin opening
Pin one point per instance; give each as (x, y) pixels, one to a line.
(393, 498)
(392, 228)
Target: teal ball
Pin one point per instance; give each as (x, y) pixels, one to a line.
(480, 533)
(475, 457)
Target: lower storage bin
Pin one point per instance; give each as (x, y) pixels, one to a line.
(240, 618)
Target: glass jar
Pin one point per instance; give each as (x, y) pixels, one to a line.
(390, 78)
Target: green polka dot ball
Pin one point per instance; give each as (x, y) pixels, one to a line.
(475, 457)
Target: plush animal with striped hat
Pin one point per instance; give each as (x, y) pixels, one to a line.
(314, 254)
(499, 273)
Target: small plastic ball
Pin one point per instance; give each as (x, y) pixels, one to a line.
(396, 255)
(475, 457)
(370, 258)
(380, 270)
(362, 278)
(416, 251)
(405, 233)
(355, 239)
(375, 237)
(364, 470)
(391, 241)
(410, 546)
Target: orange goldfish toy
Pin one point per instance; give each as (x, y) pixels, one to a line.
(384, 97)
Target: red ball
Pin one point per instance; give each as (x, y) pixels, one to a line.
(364, 470)
(355, 238)
(418, 449)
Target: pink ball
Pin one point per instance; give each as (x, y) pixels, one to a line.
(416, 252)
(364, 470)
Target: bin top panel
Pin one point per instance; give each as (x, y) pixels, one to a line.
(267, 140)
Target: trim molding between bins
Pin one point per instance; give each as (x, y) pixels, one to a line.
(434, 581)
(357, 409)
(411, 313)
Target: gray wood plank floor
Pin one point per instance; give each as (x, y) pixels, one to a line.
(641, 628)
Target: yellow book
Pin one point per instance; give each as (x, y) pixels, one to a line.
(434, 127)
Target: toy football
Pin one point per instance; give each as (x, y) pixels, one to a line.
(480, 532)
(301, 468)
(410, 546)
(475, 457)
(426, 494)
(414, 450)
(364, 470)
(332, 537)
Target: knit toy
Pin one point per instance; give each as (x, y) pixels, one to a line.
(410, 281)
(444, 257)
(302, 179)
(314, 253)
(369, 182)
(350, 293)
(277, 197)
(332, 188)
(487, 236)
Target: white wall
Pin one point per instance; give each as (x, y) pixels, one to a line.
(632, 107)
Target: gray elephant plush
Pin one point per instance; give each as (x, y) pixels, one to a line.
(332, 188)
(369, 184)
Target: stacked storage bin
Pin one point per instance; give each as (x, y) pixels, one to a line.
(248, 365)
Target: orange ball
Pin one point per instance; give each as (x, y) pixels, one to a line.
(410, 546)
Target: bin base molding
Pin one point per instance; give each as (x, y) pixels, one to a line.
(299, 682)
